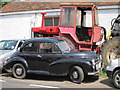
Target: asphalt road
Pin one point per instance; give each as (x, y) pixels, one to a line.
(38, 81)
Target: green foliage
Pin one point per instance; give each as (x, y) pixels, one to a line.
(103, 73)
(2, 3)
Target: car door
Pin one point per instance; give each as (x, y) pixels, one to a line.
(49, 52)
(30, 53)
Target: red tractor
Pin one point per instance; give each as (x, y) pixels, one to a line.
(78, 23)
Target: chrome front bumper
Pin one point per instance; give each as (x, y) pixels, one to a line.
(98, 68)
(93, 73)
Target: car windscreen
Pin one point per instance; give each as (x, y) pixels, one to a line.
(64, 46)
(8, 44)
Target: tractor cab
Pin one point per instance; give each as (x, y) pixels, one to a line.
(78, 22)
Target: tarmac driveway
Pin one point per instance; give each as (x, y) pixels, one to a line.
(35, 81)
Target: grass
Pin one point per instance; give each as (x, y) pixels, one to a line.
(102, 73)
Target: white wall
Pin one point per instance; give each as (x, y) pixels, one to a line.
(105, 17)
(18, 26)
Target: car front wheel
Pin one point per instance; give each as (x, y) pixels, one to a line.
(19, 71)
(77, 74)
(116, 78)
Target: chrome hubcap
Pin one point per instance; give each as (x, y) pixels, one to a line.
(117, 79)
(19, 71)
(75, 74)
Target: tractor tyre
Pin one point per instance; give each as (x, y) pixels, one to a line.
(111, 50)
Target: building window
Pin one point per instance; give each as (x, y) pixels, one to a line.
(51, 21)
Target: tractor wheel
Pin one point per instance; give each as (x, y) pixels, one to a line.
(111, 50)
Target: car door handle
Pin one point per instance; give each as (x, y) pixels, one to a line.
(39, 56)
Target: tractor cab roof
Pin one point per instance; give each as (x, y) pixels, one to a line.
(77, 4)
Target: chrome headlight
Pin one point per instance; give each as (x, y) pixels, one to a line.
(93, 62)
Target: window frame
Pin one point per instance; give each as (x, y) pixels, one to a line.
(53, 19)
(96, 17)
(21, 50)
(60, 52)
(61, 16)
(38, 51)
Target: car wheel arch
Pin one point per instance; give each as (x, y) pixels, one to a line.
(74, 66)
(118, 68)
(13, 62)
(24, 64)
(115, 78)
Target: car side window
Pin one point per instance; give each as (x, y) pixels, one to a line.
(31, 48)
(49, 48)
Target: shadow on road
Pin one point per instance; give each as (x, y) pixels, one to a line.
(6, 74)
(47, 78)
(107, 82)
(88, 79)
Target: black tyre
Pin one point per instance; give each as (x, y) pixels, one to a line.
(116, 79)
(19, 71)
(77, 74)
(111, 50)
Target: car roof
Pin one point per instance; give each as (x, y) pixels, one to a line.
(12, 40)
(53, 40)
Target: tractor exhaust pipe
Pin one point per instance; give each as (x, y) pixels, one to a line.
(43, 20)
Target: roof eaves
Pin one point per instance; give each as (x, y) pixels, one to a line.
(30, 12)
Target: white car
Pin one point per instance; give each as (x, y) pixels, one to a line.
(113, 72)
(8, 48)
